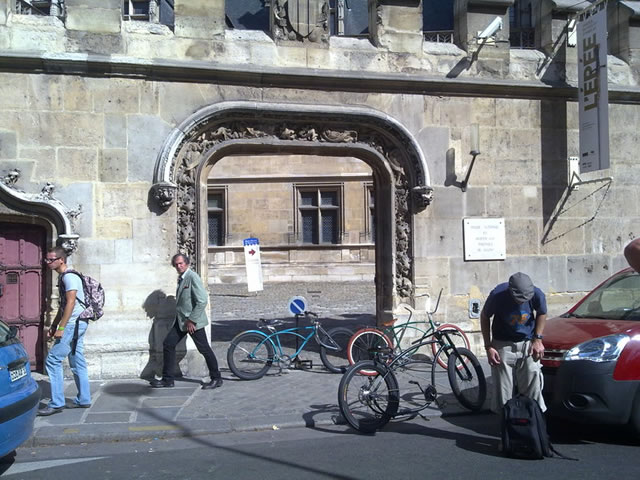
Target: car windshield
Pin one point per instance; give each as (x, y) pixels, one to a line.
(617, 299)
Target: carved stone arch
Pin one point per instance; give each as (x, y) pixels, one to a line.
(42, 205)
(247, 127)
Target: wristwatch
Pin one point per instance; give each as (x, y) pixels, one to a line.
(537, 337)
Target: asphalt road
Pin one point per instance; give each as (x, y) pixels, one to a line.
(459, 447)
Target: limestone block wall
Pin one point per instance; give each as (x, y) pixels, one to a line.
(87, 105)
(97, 140)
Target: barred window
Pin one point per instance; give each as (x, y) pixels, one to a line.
(371, 211)
(216, 218)
(154, 11)
(136, 9)
(36, 7)
(437, 21)
(521, 31)
(319, 215)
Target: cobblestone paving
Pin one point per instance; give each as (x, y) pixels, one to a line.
(234, 309)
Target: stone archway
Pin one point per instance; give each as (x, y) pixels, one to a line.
(248, 128)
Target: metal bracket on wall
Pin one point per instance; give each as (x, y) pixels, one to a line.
(475, 151)
(574, 182)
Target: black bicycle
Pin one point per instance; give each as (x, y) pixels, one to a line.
(372, 392)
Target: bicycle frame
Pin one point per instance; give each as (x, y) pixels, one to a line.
(274, 339)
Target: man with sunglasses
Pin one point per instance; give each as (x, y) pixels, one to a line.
(63, 331)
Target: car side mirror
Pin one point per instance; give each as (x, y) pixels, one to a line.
(13, 331)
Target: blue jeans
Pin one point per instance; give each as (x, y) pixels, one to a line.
(62, 349)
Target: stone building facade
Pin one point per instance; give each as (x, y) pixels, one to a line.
(115, 116)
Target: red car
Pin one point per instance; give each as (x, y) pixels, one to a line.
(591, 364)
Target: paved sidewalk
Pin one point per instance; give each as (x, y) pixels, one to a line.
(131, 410)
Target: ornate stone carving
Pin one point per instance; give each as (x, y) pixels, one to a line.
(186, 196)
(47, 192)
(11, 178)
(303, 20)
(246, 126)
(344, 136)
(164, 194)
(74, 215)
(422, 196)
(69, 242)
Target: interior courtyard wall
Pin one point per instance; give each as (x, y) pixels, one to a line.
(259, 203)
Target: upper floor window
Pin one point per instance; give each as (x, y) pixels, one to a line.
(39, 7)
(370, 214)
(216, 217)
(349, 18)
(437, 20)
(319, 214)
(155, 11)
(521, 31)
(247, 14)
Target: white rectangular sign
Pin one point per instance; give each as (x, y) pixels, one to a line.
(253, 264)
(484, 239)
(593, 94)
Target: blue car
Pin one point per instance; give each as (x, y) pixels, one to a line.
(19, 392)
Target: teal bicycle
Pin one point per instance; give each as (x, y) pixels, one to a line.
(253, 352)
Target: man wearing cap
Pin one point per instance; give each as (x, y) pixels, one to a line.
(512, 323)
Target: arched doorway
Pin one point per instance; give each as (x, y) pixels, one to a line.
(245, 128)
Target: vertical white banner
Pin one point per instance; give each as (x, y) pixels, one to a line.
(253, 264)
(593, 95)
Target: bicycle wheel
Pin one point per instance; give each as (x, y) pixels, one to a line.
(467, 379)
(250, 355)
(368, 402)
(414, 376)
(458, 338)
(336, 360)
(365, 342)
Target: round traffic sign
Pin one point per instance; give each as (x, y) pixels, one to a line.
(297, 305)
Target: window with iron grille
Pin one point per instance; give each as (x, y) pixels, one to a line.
(371, 212)
(437, 20)
(521, 31)
(155, 11)
(38, 7)
(136, 9)
(216, 219)
(319, 215)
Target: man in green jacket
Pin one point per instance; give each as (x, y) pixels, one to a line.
(191, 318)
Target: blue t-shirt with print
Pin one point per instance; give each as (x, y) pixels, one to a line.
(513, 322)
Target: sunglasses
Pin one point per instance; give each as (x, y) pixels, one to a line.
(51, 260)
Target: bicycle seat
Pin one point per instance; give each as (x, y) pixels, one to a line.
(269, 322)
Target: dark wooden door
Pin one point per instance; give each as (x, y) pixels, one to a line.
(21, 283)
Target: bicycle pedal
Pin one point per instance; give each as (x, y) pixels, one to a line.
(430, 393)
(303, 364)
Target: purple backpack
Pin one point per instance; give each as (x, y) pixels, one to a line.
(93, 296)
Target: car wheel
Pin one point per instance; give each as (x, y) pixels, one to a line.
(634, 421)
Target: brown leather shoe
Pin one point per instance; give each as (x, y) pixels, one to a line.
(214, 383)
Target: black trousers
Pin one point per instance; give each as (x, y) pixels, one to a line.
(202, 344)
